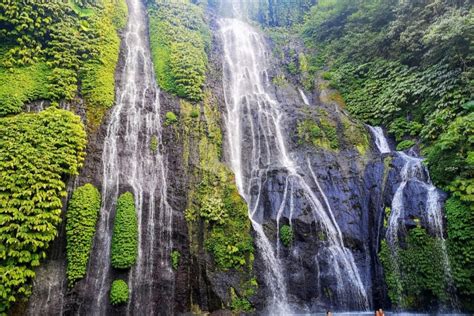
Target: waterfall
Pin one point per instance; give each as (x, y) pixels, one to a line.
(130, 163)
(414, 170)
(257, 147)
(380, 139)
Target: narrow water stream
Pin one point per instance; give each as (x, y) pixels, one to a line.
(131, 164)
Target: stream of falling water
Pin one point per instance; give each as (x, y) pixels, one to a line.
(130, 163)
(256, 147)
(414, 170)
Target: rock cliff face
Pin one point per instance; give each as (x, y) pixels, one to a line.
(337, 160)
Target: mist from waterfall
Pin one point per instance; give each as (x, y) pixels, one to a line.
(257, 146)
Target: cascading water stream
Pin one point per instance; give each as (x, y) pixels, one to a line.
(257, 147)
(130, 163)
(414, 170)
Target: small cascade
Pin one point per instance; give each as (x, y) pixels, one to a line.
(304, 97)
(380, 140)
(413, 170)
(131, 164)
(257, 148)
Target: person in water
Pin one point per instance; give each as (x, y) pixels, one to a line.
(379, 312)
(328, 313)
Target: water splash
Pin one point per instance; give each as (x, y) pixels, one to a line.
(129, 163)
(257, 147)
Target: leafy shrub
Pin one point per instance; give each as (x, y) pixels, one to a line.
(286, 235)
(420, 276)
(68, 43)
(405, 144)
(125, 234)
(241, 305)
(21, 85)
(170, 118)
(175, 256)
(81, 218)
(118, 292)
(179, 37)
(212, 209)
(460, 217)
(38, 151)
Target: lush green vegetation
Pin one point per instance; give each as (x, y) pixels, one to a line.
(118, 292)
(179, 38)
(408, 66)
(175, 257)
(52, 50)
(416, 276)
(460, 217)
(37, 152)
(124, 247)
(286, 235)
(321, 133)
(170, 118)
(81, 217)
(22, 84)
(215, 201)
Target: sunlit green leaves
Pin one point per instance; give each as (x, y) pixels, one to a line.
(179, 38)
(36, 152)
(125, 235)
(81, 218)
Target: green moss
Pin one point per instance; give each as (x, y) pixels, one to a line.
(322, 134)
(81, 218)
(154, 144)
(125, 235)
(239, 304)
(179, 38)
(415, 276)
(170, 118)
(38, 151)
(406, 144)
(175, 256)
(118, 292)
(215, 201)
(71, 51)
(356, 135)
(98, 74)
(286, 235)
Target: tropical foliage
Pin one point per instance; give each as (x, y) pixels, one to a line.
(81, 218)
(118, 292)
(68, 48)
(416, 275)
(125, 235)
(37, 152)
(408, 66)
(179, 39)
